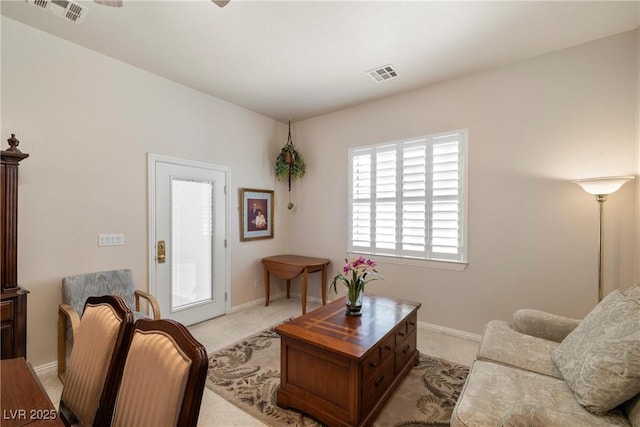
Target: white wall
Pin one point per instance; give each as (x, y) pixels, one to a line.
(533, 127)
(88, 122)
(637, 247)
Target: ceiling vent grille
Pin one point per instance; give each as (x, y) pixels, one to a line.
(386, 72)
(65, 9)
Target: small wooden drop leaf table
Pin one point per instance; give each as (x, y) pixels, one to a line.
(291, 266)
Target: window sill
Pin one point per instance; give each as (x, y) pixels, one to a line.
(415, 262)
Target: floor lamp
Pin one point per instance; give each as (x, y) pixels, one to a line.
(601, 188)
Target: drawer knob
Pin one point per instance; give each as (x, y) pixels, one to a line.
(379, 380)
(373, 364)
(388, 347)
(412, 323)
(406, 349)
(401, 334)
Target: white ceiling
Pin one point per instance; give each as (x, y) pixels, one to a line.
(300, 59)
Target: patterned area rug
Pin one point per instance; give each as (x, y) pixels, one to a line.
(247, 374)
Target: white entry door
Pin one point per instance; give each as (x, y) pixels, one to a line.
(188, 266)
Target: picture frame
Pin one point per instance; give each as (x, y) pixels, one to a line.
(256, 214)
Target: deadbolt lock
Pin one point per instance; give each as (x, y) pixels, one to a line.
(161, 252)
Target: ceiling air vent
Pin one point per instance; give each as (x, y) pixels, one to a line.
(65, 9)
(383, 73)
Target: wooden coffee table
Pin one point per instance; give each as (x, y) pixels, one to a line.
(341, 369)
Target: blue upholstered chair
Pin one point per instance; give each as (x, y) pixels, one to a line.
(75, 291)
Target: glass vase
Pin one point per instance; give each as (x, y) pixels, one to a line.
(353, 300)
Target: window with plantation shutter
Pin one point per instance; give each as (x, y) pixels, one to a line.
(408, 198)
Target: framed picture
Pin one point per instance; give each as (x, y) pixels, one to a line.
(256, 214)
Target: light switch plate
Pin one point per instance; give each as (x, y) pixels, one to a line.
(116, 239)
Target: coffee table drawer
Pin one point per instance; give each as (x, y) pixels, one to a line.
(373, 389)
(412, 323)
(371, 364)
(404, 330)
(388, 347)
(405, 351)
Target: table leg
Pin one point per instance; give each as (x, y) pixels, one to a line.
(304, 291)
(323, 284)
(266, 286)
(288, 287)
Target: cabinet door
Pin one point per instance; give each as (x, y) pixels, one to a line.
(6, 341)
(6, 329)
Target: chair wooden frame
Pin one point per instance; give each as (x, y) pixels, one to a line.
(66, 313)
(104, 412)
(195, 351)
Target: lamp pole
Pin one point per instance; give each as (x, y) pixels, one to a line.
(600, 198)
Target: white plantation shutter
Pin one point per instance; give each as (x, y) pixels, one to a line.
(407, 199)
(361, 201)
(414, 198)
(385, 232)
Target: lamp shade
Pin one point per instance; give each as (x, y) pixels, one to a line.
(602, 186)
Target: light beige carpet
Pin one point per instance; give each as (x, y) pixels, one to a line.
(247, 374)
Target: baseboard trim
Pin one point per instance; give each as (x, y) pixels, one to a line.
(47, 368)
(259, 301)
(273, 297)
(450, 331)
(436, 328)
(316, 300)
(52, 367)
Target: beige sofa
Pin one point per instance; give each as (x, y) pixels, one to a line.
(546, 370)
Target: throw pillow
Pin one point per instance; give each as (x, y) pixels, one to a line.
(600, 358)
(633, 292)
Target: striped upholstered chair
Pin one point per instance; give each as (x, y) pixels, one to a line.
(163, 379)
(75, 291)
(95, 366)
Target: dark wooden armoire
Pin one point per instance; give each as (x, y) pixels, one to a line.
(13, 298)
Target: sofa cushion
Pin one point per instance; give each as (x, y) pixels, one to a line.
(528, 415)
(600, 359)
(492, 391)
(503, 344)
(541, 324)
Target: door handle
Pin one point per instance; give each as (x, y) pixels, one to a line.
(161, 252)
